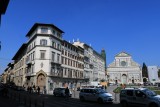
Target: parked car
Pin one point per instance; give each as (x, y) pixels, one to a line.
(139, 97)
(1, 87)
(95, 94)
(18, 88)
(60, 92)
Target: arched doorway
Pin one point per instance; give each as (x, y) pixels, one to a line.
(41, 81)
(144, 80)
(124, 79)
(116, 82)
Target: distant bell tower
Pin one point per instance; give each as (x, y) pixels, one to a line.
(103, 54)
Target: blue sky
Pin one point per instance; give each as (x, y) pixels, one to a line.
(132, 26)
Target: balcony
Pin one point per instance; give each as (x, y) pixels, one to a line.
(86, 59)
(91, 66)
(86, 76)
(56, 74)
(28, 74)
(55, 62)
(29, 62)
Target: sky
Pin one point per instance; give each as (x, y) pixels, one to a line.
(132, 26)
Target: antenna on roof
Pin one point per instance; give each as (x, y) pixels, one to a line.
(73, 40)
(77, 39)
(69, 41)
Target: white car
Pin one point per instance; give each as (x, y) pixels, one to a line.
(95, 94)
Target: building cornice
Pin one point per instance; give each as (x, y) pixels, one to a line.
(42, 24)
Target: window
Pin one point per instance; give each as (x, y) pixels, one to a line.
(33, 55)
(42, 54)
(58, 35)
(62, 51)
(123, 92)
(53, 44)
(53, 56)
(71, 63)
(65, 71)
(44, 30)
(68, 61)
(68, 53)
(52, 69)
(65, 52)
(59, 47)
(32, 68)
(43, 42)
(139, 93)
(130, 92)
(58, 58)
(54, 32)
(62, 60)
(34, 43)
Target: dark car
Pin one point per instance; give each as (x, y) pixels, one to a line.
(18, 88)
(60, 92)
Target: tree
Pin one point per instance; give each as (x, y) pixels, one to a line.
(159, 73)
(144, 71)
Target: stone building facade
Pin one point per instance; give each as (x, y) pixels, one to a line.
(123, 70)
(48, 61)
(94, 63)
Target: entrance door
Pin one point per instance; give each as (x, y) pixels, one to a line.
(124, 79)
(41, 81)
(116, 82)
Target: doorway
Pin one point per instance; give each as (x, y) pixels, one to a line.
(41, 81)
(124, 79)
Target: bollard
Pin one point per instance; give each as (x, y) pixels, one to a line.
(11, 95)
(19, 97)
(35, 103)
(15, 96)
(43, 103)
(30, 102)
(25, 100)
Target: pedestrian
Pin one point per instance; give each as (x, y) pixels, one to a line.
(34, 88)
(67, 92)
(38, 90)
(28, 88)
(102, 87)
(105, 87)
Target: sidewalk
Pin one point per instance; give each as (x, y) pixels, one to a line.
(6, 102)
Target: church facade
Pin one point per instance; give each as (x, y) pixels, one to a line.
(123, 70)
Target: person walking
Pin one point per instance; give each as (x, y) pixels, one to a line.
(38, 90)
(67, 93)
(28, 88)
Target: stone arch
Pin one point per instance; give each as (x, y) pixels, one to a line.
(41, 79)
(116, 81)
(144, 79)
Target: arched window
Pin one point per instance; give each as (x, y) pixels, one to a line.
(43, 42)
